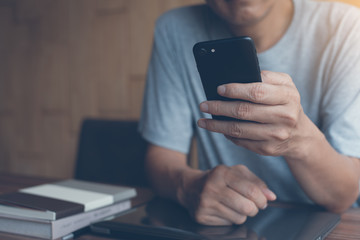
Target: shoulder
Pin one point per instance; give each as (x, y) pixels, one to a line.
(328, 23)
(333, 14)
(330, 6)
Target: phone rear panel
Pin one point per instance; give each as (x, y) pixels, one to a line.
(225, 61)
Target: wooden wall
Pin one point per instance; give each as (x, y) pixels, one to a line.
(62, 61)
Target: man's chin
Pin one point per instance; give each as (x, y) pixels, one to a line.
(243, 21)
(246, 17)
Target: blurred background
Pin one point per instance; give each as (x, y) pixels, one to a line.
(65, 60)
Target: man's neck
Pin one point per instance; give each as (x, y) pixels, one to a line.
(271, 28)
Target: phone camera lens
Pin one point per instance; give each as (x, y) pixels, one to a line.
(203, 51)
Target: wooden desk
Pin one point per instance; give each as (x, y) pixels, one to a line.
(349, 227)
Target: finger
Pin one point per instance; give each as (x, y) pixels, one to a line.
(238, 202)
(245, 130)
(270, 195)
(276, 78)
(245, 111)
(249, 198)
(224, 212)
(262, 147)
(258, 92)
(235, 129)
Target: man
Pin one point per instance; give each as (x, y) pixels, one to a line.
(303, 143)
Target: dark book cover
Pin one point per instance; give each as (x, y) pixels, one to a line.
(20, 200)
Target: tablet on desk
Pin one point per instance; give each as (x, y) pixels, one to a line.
(162, 219)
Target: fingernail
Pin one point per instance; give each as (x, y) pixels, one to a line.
(221, 90)
(204, 107)
(264, 207)
(202, 123)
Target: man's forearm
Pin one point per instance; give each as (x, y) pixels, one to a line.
(329, 178)
(166, 170)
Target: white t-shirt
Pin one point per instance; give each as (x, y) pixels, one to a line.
(320, 51)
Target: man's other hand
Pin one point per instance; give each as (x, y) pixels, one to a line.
(224, 195)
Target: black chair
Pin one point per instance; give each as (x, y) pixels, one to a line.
(111, 152)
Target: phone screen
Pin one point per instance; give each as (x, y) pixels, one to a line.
(232, 60)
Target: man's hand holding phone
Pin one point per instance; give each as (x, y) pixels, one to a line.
(274, 117)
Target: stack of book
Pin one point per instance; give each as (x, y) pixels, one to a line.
(55, 210)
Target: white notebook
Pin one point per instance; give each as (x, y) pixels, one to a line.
(90, 200)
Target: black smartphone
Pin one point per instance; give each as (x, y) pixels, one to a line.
(231, 60)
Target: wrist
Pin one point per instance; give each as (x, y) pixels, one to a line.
(306, 141)
(187, 179)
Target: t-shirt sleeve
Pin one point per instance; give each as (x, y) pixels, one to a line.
(341, 100)
(166, 118)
